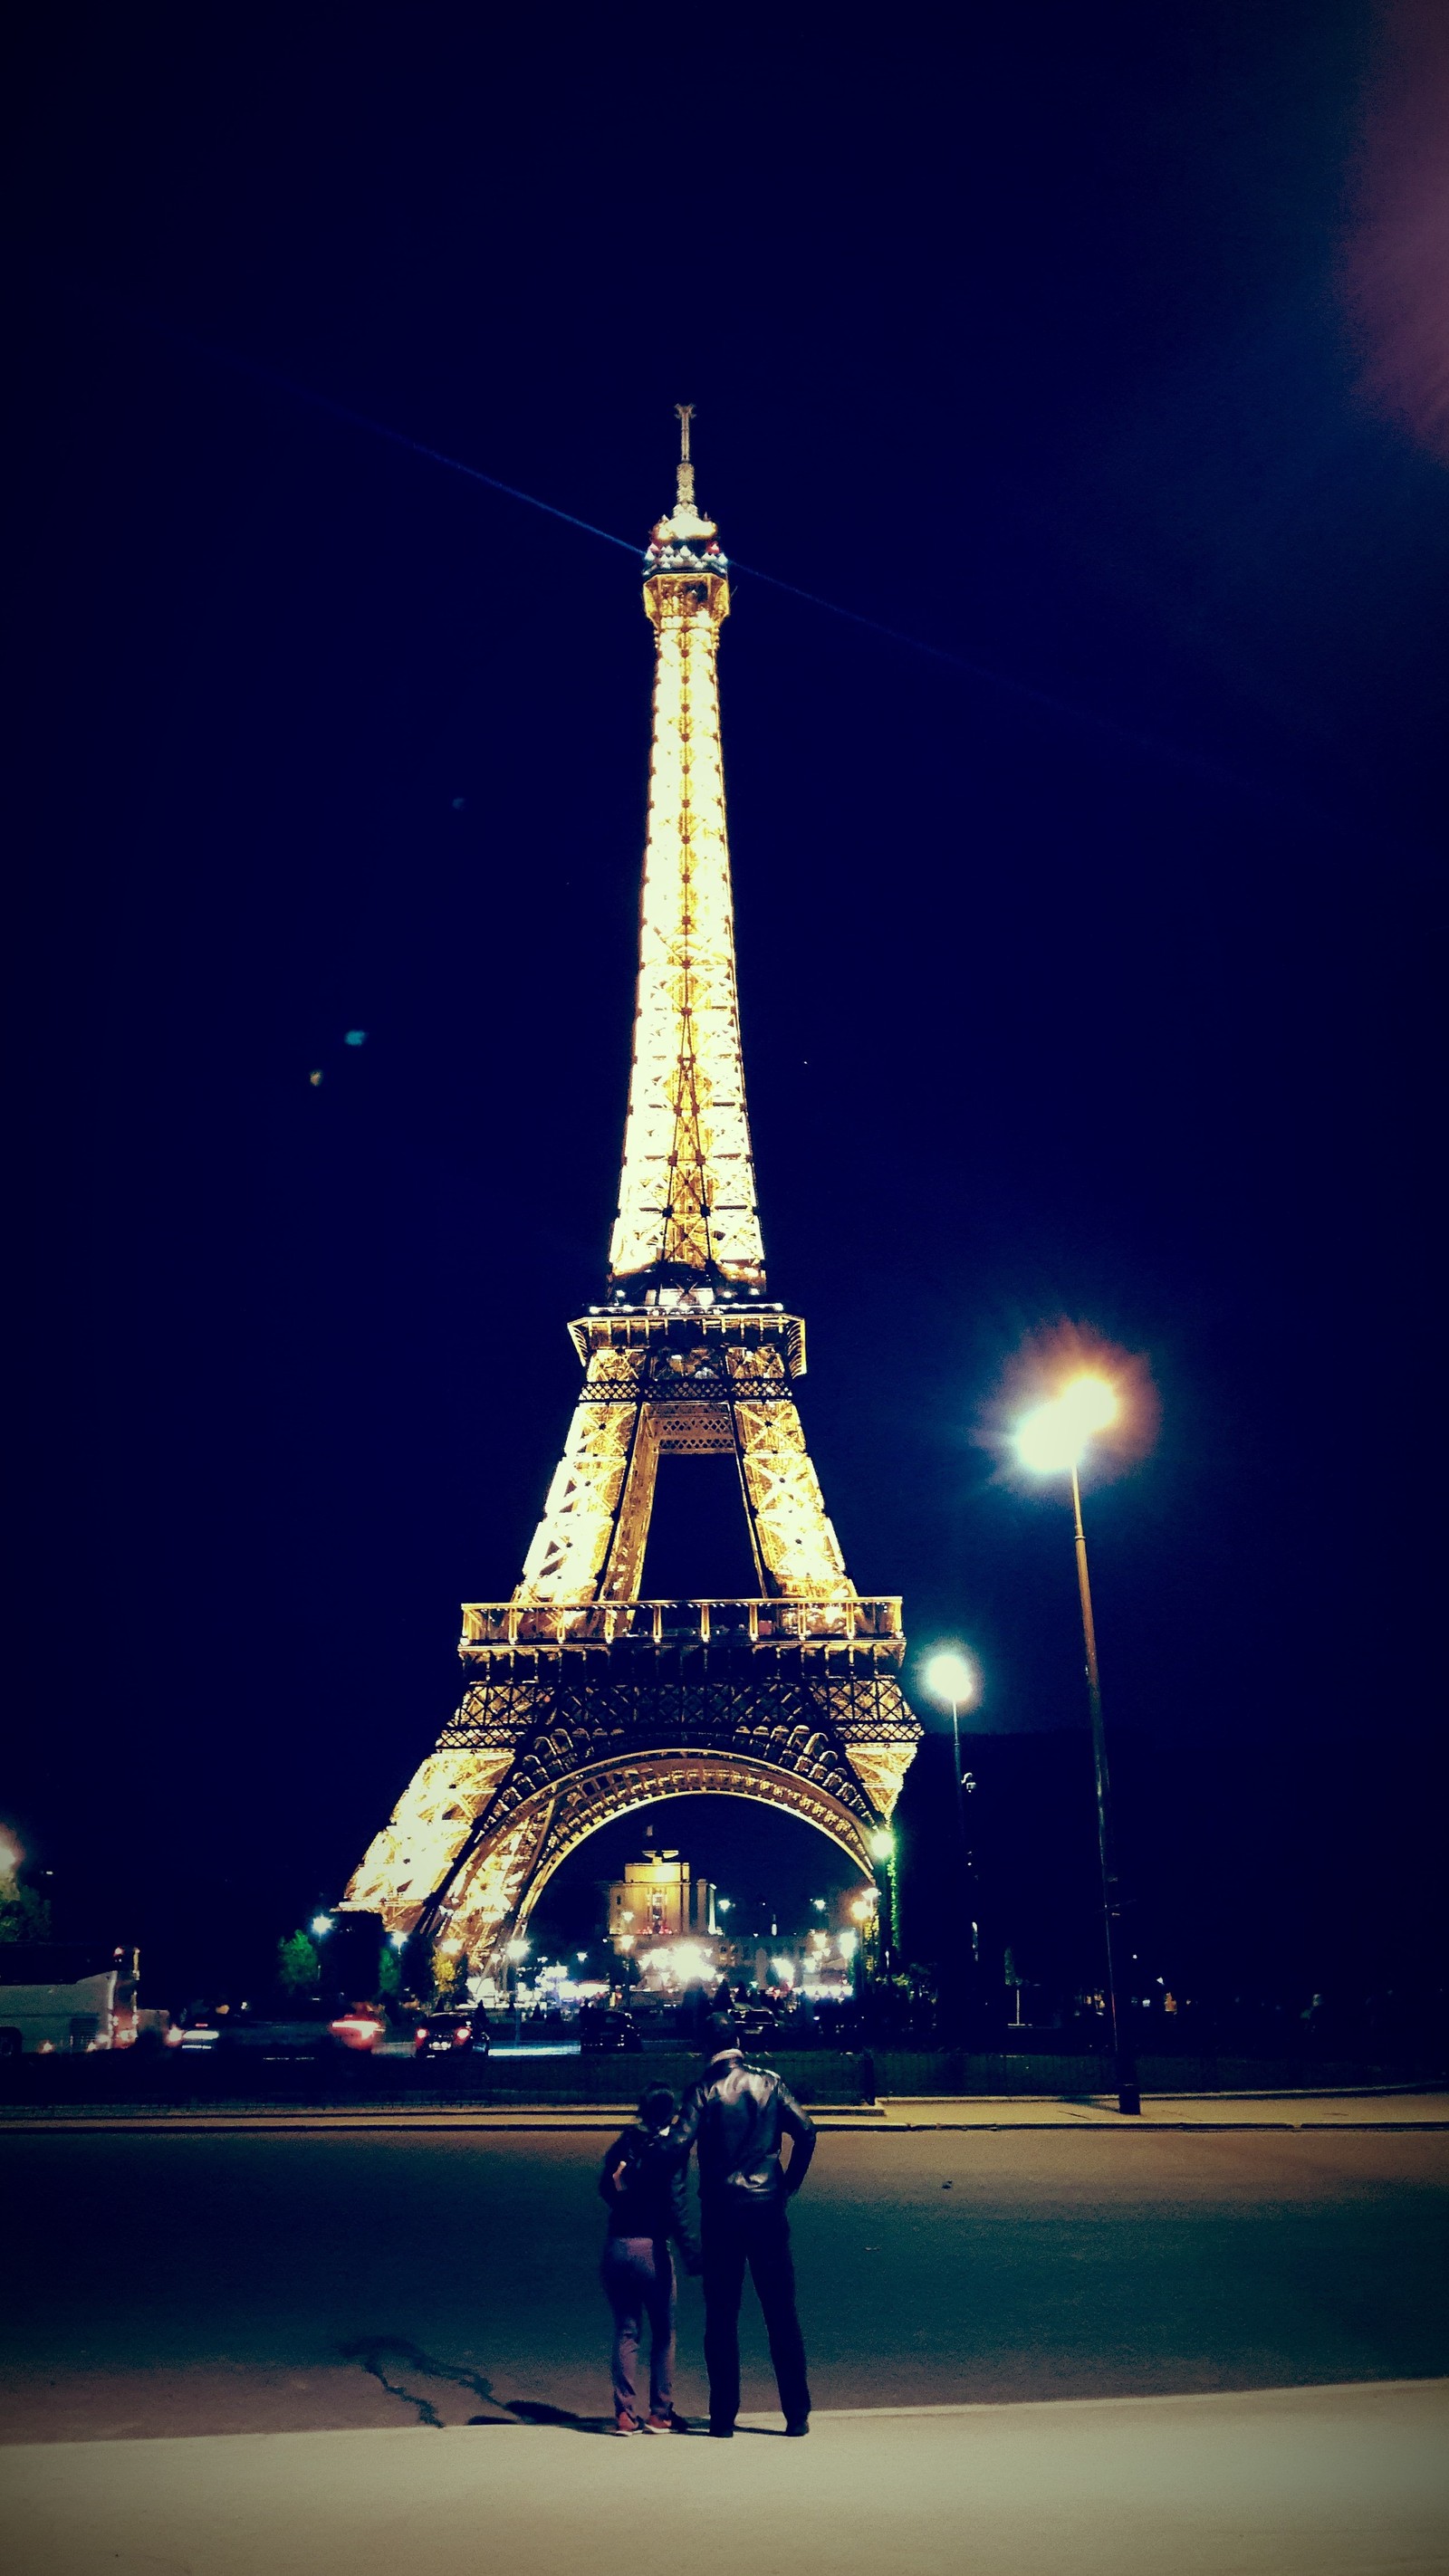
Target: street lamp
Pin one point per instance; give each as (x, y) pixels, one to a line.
(953, 1680)
(881, 1844)
(320, 1927)
(1052, 1441)
(515, 1952)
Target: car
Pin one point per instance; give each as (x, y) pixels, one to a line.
(755, 2025)
(301, 2031)
(359, 2028)
(607, 2027)
(452, 2035)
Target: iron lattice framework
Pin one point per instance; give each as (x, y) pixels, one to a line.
(583, 1701)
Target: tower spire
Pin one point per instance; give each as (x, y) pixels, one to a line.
(687, 1210)
(684, 472)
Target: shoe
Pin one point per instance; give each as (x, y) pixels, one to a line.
(721, 2432)
(797, 2432)
(624, 2422)
(670, 2423)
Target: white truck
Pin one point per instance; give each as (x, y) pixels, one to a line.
(66, 2014)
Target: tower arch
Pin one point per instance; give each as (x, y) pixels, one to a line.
(599, 1798)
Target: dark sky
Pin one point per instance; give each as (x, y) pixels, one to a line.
(1086, 957)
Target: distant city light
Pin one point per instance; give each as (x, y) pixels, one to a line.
(847, 1943)
(783, 1971)
(518, 1949)
(355, 1037)
(882, 1843)
(690, 1964)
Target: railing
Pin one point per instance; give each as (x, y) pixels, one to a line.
(659, 1623)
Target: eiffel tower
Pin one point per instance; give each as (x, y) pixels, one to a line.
(582, 1700)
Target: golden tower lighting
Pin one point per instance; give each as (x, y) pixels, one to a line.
(582, 1700)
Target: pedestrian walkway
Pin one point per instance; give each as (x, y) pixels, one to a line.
(1287, 2482)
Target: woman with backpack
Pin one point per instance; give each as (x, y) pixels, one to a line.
(642, 2187)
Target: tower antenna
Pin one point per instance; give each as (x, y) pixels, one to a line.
(684, 482)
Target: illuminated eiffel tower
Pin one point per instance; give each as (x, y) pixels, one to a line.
(583, 1701)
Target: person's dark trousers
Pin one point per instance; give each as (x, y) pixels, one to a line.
(759, 2238)
(638, 2278)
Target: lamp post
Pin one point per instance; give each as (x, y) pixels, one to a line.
(952, 1680)
(1051, 1441)
(515, 1953)
(882, 1844)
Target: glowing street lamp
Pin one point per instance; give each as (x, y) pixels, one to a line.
(320, 1926)
(1053, 1441)
(1058, 1435)
(953, 1680)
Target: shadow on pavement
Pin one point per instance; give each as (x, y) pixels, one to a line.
(531, 2410)
(394, 2361)
(378, 2353)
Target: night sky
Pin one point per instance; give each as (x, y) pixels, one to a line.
(1085, 872)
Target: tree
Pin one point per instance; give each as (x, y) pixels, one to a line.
(24, 1913)
(299, 1969)
(449, 1970)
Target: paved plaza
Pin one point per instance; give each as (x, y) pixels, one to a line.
(1301, 2482)
(1078, 2346)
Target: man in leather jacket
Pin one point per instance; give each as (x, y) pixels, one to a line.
(737, 2117)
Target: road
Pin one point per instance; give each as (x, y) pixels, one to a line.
(212, 2284)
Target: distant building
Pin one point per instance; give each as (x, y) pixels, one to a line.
(658, 1899)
